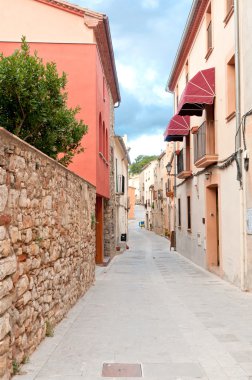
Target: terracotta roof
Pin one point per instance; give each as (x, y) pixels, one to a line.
(100, 24)
(193, 22)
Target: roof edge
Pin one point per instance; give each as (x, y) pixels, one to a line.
(192, 25)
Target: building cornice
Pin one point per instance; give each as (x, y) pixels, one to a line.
(193, 22)
(100, 25)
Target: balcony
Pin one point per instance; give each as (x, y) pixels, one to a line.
(160, 194)
(204, 145)
(183, 164)
(169, 189)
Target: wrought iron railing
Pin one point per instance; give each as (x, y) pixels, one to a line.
(180, 162)
(204, 140)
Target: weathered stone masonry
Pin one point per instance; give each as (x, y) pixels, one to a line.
(47, 246)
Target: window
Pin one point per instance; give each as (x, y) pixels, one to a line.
(231, 89)
(120, 184)
(186, 72)
(104, 89)
(209, 32)
(179, 212)
(229, 11)
(177, 97)
(103, 139)
(188, 212)
(106, 145)
(100, 134)
(116, 174)
(229, 5)
(209, 36)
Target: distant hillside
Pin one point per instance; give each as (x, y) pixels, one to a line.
(140, 163)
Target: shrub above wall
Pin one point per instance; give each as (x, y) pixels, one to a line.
(47, 246)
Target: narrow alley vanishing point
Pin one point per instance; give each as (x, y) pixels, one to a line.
(154, 308)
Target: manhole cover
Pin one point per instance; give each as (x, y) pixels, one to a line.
(121, 370)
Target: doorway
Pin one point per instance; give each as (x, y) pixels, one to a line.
(212, 227)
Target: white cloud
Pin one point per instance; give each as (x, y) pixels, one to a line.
(146, 145)
(143, 83)
(150, 4)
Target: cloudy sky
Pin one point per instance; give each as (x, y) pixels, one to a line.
(145, 36)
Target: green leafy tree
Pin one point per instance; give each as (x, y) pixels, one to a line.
(33, 105)
(140, 163)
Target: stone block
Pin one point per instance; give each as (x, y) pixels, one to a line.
(2, 176)
(3, 365)
(26, 297)
(5, 219)
(4, 325)
(14, 234)
(2, 232)
(8, 266)
(5, 345)
(5, 248)
(27, 221)
(13, 198)
(5, 287)
(3, 197)
(22, 286)
(23, 200)
(5, 304)
(47, 202)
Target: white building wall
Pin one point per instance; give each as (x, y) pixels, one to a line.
(121, 169)
(188, 242)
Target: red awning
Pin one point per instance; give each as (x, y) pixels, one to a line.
(178, 127)
(199, 91)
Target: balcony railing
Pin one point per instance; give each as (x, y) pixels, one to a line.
(204, 145)
(180, 162)
(160, 194)
(183, 163)
(168, 189)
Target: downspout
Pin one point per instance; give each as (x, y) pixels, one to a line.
(243, 259)
(175, 195)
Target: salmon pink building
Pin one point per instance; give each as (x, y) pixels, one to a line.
(78, 41)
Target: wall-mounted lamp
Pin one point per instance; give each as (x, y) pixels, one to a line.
(246, 160)
(208, 175)
(169, 169)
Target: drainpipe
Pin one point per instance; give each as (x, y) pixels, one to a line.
(238, 144)
(175, 195)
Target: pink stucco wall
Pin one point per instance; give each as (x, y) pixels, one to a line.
(85, 88)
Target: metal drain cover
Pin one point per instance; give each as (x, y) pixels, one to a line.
(121, 370)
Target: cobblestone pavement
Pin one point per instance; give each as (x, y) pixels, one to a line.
(151, 307)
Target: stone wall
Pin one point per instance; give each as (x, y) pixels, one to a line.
(47, 246)
(109, 205)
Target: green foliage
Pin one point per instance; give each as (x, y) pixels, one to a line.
(139, 163)
(15, 367)
(33, 105)
(49, 330)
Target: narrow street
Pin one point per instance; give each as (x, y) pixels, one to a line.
(151, 307)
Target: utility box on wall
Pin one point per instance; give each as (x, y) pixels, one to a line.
(123, 237)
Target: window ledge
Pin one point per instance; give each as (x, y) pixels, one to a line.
(103, 158)
(206, 160)
(228, 16)
(230, 116)
(184, 174)
(189, 230)
(209, 53)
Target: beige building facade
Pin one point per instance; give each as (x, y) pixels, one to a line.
(209, 210)
(121, 164)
